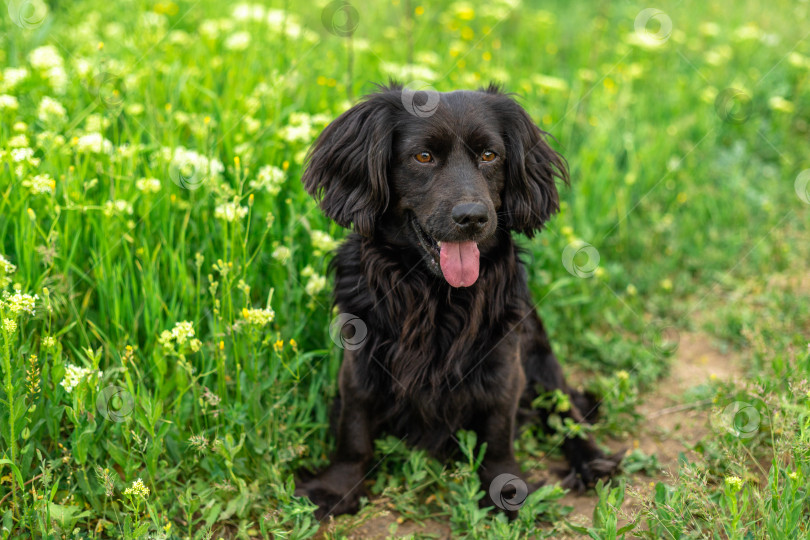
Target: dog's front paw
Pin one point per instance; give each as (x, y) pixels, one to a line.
(504, 489)
(336, 490)
(329, 501)
(586, 474)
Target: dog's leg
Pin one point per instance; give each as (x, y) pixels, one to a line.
(338, 488)
(499, 472)
(544, 374)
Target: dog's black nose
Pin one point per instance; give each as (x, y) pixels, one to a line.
(470, 215)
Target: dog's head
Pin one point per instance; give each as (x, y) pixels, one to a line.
(437, 172)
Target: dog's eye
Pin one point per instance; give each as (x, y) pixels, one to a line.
(488, 155)
(423, 157)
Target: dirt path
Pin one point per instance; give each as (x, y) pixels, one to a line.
(674, 420)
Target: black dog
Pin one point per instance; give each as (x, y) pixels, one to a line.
(433, 185)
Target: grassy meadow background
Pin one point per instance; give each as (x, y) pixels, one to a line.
(164, 323)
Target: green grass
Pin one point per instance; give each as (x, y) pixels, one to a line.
(688, 196)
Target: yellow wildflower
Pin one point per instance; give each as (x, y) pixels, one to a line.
(257, 316)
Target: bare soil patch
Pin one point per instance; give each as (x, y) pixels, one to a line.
(674, 420)
(377, 528)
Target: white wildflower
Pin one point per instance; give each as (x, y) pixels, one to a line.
(18, 155)
(49, 63)
(13, 76)
(547, 82)
(182, 331)
(409, 72)
(134, 109)
(238, 41)
(74, 375)
(230, 212)
(293, 134)
(710, 29)
(8, 103)
(252, 126)
(6, 267)
(18, 303)
(282, 254)
(778, 103)
(153, 21)
(48, 139)
(9, 326)
(212, 29)
(249, 12)
(18, 141)
(276, 18)
(148, 185)
(315, 284)
(797, 59)
(269, 179)
(50, 110)
(138, 490)
(58, 79)
(748, 32)
(189, 168)
(322, 242)
(165, 338)
(300, 118)
(93, 142)
(321, 119)
(179, 37)
(40, 184)
(298, 128)
(128, 151)
(96, 123)
(45, 57)
(83, 66)
(119, 206)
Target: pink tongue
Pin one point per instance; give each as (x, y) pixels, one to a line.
(460, 263)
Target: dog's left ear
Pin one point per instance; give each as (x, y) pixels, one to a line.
(530, 195)
(347, 168)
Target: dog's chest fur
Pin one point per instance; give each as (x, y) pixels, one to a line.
(432, 355)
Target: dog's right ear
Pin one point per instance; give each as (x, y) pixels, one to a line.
(347, 168)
